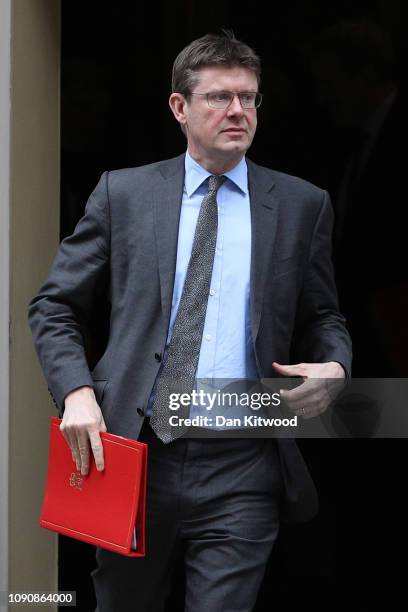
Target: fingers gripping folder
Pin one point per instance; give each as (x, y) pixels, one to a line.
(107, 508)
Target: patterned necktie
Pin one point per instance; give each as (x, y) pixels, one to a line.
(180, 366)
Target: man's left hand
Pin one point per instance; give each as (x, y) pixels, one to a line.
(322, 384)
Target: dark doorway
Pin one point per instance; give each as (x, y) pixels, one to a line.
(115, 83)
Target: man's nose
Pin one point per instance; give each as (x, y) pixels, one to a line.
(235, 107)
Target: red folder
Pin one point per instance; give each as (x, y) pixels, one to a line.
(101, 508)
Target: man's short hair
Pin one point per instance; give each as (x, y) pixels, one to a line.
(211, 50)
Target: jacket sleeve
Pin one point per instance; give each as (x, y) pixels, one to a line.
(320, 331)
(67, 297)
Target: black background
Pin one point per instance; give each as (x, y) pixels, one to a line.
(116, 67)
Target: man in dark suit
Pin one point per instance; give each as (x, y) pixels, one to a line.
(215, 268)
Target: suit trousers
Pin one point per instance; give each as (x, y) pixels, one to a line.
(215, 502)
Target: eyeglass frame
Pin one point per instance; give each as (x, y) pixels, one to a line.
(233, 94)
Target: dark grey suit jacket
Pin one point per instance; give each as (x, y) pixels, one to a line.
(127, 241)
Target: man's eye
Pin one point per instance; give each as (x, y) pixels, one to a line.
(247, 97)
(220, 97)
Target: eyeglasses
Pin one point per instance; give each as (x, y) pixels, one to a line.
(223, 99)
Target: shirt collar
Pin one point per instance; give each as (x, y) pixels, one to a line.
(196, 175)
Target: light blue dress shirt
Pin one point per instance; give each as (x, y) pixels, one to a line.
(226, 348)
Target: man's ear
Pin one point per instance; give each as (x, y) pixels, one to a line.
(177, 103)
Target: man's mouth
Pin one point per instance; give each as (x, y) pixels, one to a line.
(233, 130)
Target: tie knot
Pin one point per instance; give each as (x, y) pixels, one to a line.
(215, 181)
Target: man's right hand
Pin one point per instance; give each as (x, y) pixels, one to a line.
(82, 421)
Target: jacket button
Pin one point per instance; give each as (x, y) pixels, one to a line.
(140, 412)
(158, 357)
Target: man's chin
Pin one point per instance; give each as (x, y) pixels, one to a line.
(237, 147)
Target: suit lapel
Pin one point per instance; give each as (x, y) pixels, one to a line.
(264, 216)
(167, 197)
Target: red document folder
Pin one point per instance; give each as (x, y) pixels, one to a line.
(101, 508)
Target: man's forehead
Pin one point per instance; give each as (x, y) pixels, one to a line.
(218, 77)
